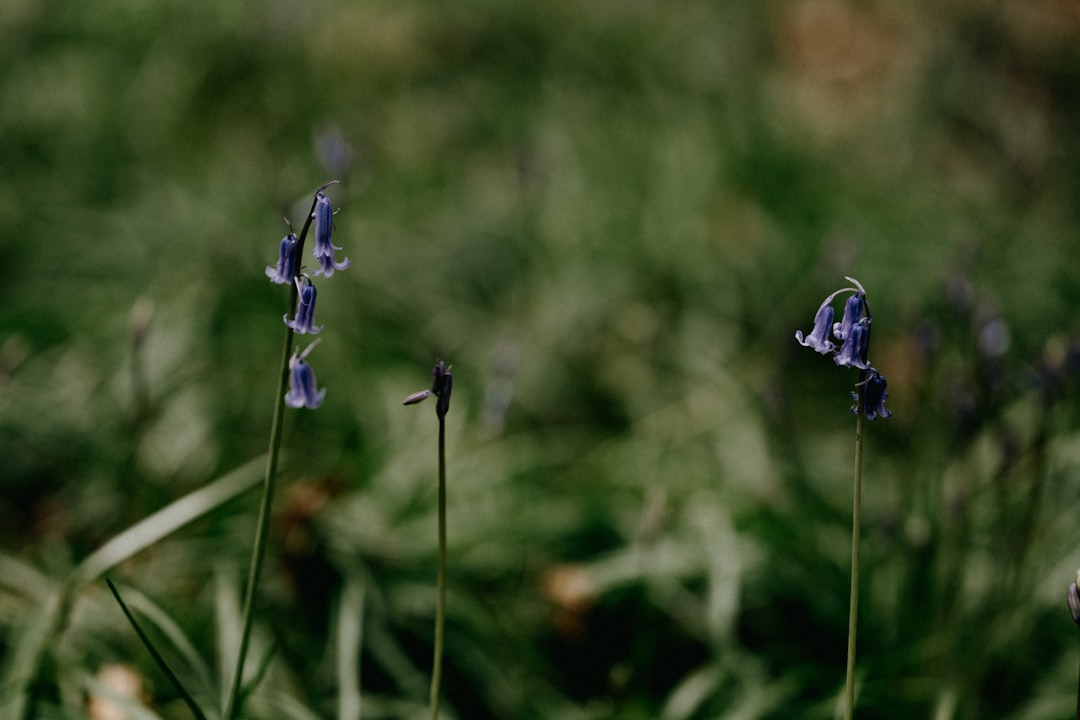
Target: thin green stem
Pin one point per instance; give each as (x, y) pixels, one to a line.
(440, 605)
(234, 699)
(1078, 694)
(258, 553)
(853, 603)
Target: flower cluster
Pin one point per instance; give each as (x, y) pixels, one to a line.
(287, 271)
(853, 335)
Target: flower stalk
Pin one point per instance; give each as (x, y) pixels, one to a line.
(853, 333)
(291, 248)
(442, 382)
(853, 602)
(1073, 598)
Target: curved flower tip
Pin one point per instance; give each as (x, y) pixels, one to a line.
(285, 269)
(304, 322)
(327, 266)
(302, 388)
(857, 284)
(818, 339)
(875, 394)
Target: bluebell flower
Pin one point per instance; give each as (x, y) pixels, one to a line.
(853, 313)
(304, 322)
(818, 339)
(874, 396)
(302, 389)
(324, 238)
(853, 352)
(285, 269)
(442, 382)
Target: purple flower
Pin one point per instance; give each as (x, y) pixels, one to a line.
(324, 236)
(853, 312)
(285, 269)
(302, 391)
(853, 352)
(874, 396)
(819, 336)
(304, 322)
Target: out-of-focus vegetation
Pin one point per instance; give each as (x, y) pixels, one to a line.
(610, 217)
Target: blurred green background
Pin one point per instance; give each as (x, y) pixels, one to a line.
(610, 216)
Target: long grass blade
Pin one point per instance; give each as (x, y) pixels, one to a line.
(158, 659)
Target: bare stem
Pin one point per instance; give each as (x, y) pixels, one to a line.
(853, 603)
(1078, 695)
(440, 606)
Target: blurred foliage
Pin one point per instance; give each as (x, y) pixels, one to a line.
(610, 217)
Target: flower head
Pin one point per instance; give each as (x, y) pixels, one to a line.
(853, 332)
(324, 236)
(304, 322)
(302, 388)
(818, 339)
(874, 396)
(442, 382)
(285, 269)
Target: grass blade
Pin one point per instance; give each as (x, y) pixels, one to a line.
(164, 666)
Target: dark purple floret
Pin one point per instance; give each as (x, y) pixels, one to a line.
(819, 336)
(442, 406)
(304, 322)
(285, 269)
(853, 352)
(853, 313)
(302, 388)
(874, 397)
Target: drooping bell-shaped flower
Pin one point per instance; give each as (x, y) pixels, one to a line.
(874, 396)
(818, 339)
(853, 313)
(304, 322)
(285, 269)
(853, 352)
(302, 387)
(324, 238)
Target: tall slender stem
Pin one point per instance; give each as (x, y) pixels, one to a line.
(234, 701)
(853, 603)
(1078, 695)
(440, 605)
(258, 553)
